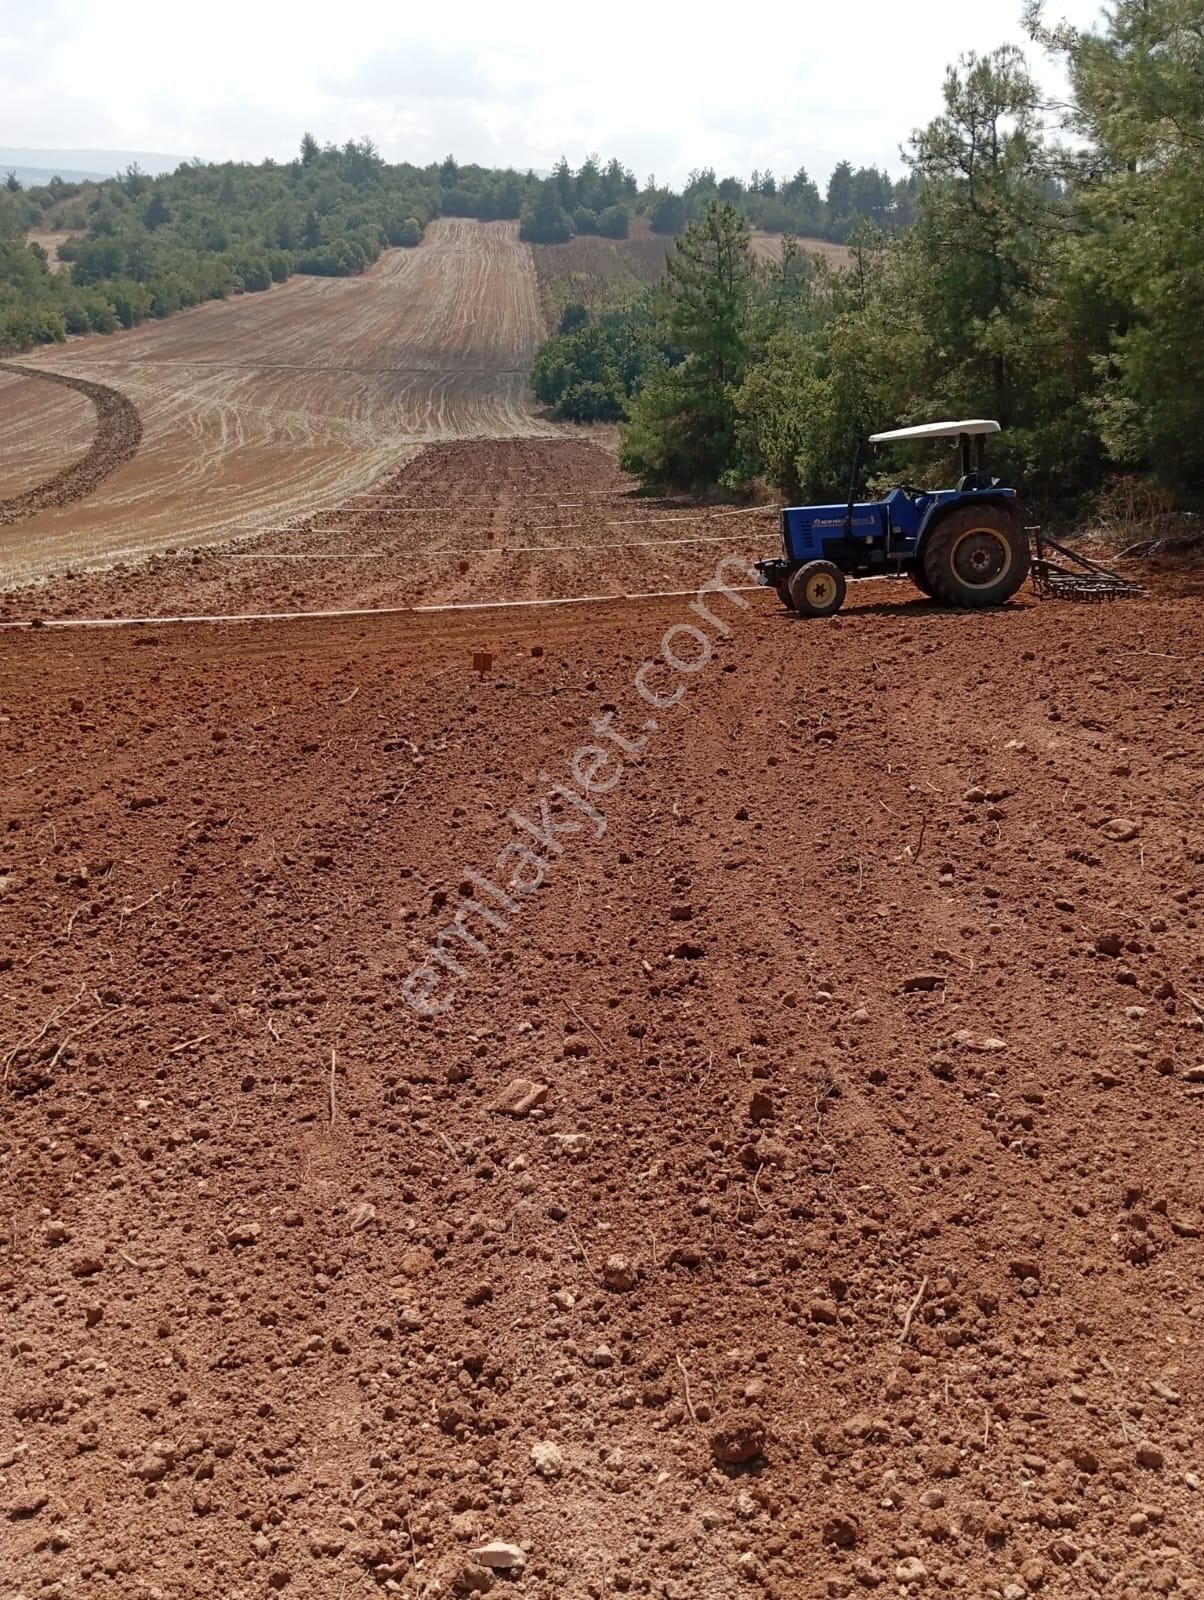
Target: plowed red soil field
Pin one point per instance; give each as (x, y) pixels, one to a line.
(471, 523)
(259, 409)
(718, 1131)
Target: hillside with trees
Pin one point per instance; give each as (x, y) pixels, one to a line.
(142, 246)
(1055, 285)
(145, 247)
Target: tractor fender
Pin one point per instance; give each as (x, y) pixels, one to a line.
(938, 512)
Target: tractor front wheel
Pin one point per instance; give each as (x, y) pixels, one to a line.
(976, 556)
(784, 596)
(817, 589)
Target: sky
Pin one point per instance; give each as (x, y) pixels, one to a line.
(665, 87)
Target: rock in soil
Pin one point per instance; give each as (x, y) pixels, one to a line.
(520, 1097)
(619, 1274)
(547, 1459)
(499, 1555)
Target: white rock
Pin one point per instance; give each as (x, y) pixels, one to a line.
(547, 1459)
(965, 1040)
(571, 1144)
(911, 1570)
(1120, 829)
(498, 1554)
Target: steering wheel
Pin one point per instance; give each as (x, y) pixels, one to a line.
(910, 490)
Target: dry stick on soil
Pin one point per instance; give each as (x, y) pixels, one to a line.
(911, 1311)
(1120, 1416)
(187, 1044)
(587, 1027)
(128, 911)
(77, 1033)
(685, 1378)
(28, 1044)
(584, 1253)
(333, 1060)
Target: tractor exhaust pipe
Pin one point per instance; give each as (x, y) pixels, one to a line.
(858, 449)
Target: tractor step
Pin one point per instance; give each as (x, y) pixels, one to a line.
(1073, 576)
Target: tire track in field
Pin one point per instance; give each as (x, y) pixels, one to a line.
(118, 435)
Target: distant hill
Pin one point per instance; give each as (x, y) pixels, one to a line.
(38, 177)
(35, 167)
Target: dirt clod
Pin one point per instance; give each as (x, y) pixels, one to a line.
(920, 981)
(738, 1441)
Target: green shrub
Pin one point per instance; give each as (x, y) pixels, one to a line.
(589, 402)
(614, 222)
(668, 214)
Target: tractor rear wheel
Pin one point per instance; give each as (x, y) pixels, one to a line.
(916, 574)
(817, 589)
(975, 556)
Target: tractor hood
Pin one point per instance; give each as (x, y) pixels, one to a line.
(805, 527)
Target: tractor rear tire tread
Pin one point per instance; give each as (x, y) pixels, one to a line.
(939, 572)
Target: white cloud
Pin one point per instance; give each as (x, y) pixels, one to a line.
(769, 85)
(416, 71)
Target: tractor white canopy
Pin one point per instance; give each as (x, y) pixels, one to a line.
(937, 430)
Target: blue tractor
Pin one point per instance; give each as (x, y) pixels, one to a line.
(961, 547)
